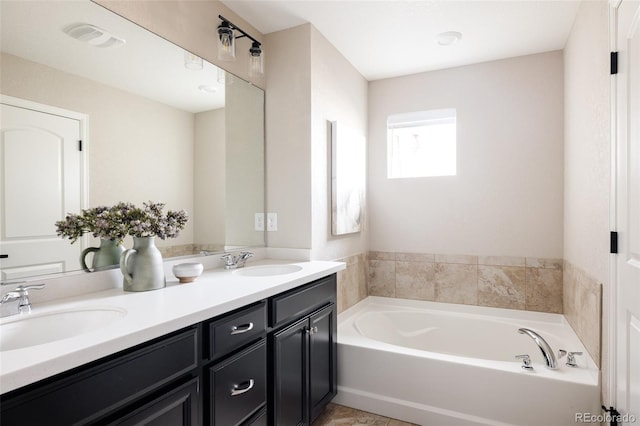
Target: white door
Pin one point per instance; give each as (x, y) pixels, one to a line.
(628, 209)
(41, 180)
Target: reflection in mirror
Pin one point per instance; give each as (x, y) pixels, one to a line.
(156, 123)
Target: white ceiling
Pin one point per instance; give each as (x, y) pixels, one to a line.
(388, 38)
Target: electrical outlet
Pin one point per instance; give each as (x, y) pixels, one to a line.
(272, 221)
(258, 222)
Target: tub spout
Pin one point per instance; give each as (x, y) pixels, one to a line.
(546, 350)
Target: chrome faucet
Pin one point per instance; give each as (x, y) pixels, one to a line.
(20, 295)
(546, 350)
(237, 261)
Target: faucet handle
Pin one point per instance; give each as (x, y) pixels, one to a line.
(21, 291)
(571, 359)
(24, 288)
(244, 255)
(526, 361)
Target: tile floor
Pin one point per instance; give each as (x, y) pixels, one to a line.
(339, 415)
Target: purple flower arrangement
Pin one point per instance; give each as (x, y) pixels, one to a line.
(123, 219)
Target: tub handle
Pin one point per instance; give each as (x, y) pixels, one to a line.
(571, 358)
(526, 362)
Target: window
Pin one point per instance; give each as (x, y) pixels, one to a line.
(421, 143)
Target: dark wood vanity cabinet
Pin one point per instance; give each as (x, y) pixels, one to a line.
(269, 363)
(304, 354)
(111, 388)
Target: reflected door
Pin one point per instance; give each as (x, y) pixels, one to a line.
(41, 180)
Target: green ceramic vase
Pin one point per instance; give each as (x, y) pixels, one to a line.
(142, 266)
(104, 257)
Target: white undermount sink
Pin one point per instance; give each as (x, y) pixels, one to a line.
(37, 329)
(268, 270)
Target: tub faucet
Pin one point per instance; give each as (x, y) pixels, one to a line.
(546, 350)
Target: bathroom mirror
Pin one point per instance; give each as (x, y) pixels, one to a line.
(156, 123)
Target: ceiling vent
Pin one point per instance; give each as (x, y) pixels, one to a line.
(93, 35)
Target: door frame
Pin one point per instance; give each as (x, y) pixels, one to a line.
(613, 210)
(614, 275)
(83, 119)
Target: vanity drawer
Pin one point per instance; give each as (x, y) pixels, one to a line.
(238, 386)
(300, 301)
(85, 394)
(236, 330)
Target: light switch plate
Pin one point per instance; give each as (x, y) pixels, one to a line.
(258, 222)
(272, 221)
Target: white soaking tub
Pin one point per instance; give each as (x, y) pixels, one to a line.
(442, 364)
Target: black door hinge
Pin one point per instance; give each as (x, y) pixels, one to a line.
(614, 63)
(613, 239)
(612, 415)
(80, 145)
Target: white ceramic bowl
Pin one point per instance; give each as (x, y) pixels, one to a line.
(187, 272)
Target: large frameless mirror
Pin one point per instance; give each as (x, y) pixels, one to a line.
(156, 123)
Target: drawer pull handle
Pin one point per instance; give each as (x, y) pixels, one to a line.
(237, 390)
(239, 329)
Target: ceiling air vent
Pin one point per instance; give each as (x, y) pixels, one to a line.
(93, 35)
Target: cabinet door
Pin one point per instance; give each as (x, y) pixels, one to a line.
(178, 407)
(290, 375)
(322, 359)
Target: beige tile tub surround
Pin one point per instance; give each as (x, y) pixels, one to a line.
(502, 286)
(352, 281)
(583, 308)
(533, 284)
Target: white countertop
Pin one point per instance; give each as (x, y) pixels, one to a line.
(149, 315)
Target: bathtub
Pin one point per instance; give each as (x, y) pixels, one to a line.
(444, 364)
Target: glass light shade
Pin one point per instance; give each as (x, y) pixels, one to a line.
(222, 75)
(226, 44)
(192, 62)
(256, 61)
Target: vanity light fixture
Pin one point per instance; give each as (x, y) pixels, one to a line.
(193, 62)
(222, 76)
(226, 42)
(256, 60)
(227, 47)
(93, 35)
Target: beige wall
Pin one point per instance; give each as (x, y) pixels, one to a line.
(288, 136)
(506, 199)
(244, 123)
(209, 177)
(338, 93)
(587, 142)
(587, 180)
(308, 84)
(129, 137)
